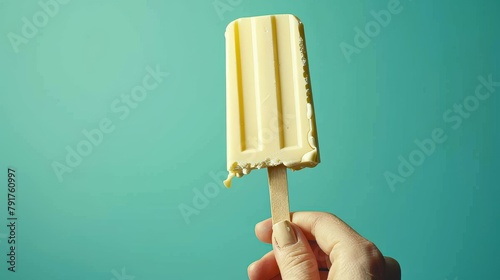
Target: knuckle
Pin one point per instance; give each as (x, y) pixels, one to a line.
(370, 248)
(323, 218)
(372, 259)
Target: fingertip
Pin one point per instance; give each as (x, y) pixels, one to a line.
(251, 266)
(264, 268)
(251, 270)
(263, 225)
(263, 231)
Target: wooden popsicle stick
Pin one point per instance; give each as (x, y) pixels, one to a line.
(278, 191)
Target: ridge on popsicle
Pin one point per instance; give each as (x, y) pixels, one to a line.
(270, 112)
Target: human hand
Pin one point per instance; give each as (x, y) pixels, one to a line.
(319, 245)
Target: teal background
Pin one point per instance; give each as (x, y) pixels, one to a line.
(119, 208)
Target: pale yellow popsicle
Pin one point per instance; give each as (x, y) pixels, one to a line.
(270, 113)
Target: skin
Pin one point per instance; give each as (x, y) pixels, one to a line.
(326, 248)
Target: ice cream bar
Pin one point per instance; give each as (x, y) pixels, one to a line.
(270, 114)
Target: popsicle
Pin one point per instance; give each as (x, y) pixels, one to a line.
(270, 112)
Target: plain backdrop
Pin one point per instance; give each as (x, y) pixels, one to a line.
(116, 211)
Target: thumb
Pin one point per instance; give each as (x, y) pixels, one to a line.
(293, 254)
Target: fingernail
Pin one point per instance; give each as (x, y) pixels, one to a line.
(284, 234)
